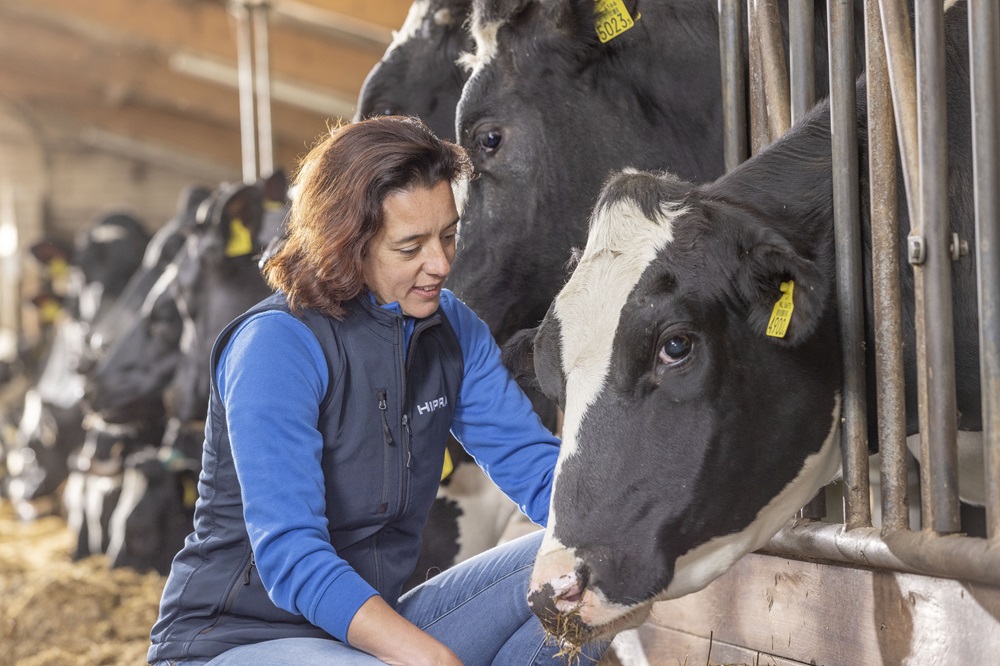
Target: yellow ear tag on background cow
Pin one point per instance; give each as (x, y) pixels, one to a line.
(49, 311)
(781, 315)
(190, 496)
(612, 19)
(449, 466)
(58, 268)
(240, 242)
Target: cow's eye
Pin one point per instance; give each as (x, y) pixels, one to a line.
(490, 141)
(675, 349)
(386, 110)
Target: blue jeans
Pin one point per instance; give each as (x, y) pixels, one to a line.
(477, 608)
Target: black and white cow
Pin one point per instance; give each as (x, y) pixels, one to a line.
(419, 74)
(105, 256)
(695, 426)
(549, 112)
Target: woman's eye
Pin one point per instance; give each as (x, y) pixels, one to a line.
(490, 141)
(675, 349)
(409, 251)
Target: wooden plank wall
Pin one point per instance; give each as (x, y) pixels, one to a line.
(773, 611)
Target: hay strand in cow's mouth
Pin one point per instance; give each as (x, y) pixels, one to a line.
(569, 633)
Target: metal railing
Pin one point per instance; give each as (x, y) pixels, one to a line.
(906, 108)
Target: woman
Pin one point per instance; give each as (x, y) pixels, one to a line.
(330, 408)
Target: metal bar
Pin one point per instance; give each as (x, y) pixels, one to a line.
(262, 89)
(244, 54)
(847, 235)
(758, 96)
(773, 69)
(801, 57)
(734, 111)
(939, 450)
(984, 38)
(963, 558)
(902, 77)
(886, 291)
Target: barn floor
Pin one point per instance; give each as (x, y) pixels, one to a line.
(54, 611)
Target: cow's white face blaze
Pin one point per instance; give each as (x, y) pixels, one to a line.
(671, 467)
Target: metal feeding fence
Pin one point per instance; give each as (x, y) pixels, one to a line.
(884, 594)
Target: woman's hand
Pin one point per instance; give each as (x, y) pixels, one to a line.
(382, 632)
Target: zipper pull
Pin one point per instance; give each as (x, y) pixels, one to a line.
(246, 576)
(406, 424)
(385, 421)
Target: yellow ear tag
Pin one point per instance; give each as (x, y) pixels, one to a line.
(781, 315)
(240, 243)
(190, 492)
(49, 311)
(58, 267)
(449, 466)
(612, 19)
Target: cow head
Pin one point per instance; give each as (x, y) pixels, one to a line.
(419, 74)
(690, 435)
(549, 112)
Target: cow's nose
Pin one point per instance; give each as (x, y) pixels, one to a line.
(557, 582)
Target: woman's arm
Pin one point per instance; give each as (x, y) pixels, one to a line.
(380, 631)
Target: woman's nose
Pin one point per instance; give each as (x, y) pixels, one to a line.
(438, 261)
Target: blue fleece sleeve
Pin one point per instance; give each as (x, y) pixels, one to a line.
(495, 422)
(273, 376)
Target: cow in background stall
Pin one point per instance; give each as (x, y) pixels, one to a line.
(213, 279)
(419, 74)
(696, 352)
(51, 422)
(111, 434)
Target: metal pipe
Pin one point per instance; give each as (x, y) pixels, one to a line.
(886, 292)
(734, 111)
(939, 450)
(984, 37)
(773, 70)
(963, 558)
(244, 52)
(902, 77)
(801, 57)
(759, 137)
(847, 236)
(262, 78)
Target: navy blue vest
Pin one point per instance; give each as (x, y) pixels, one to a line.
(385, 420)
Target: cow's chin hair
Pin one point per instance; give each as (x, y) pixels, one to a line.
(581, 634)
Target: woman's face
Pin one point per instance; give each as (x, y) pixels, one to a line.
(411, 255)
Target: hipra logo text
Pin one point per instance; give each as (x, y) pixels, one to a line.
(431, 405)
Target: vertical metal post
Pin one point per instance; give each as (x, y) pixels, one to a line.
(939, 452)
(801, 60)
(847, 233)
(757, 95)
(775, 74)
(886, 292)
(734, 111)
(262, 78)
(984, 49)
(244, 52)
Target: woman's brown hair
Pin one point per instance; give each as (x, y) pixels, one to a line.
(337, 208)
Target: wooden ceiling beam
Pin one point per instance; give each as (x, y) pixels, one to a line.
(42, 55)
(169, 26)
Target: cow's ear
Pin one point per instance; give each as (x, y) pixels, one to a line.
(786, 293)
(518, 356)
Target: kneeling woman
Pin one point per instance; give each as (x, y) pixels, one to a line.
(331, 404)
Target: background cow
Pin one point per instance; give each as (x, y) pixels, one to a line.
(419, 74)
(695, 424)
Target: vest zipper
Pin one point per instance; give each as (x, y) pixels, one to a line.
(383, 504)
(405, 367)
(383, 407)
(405, 471)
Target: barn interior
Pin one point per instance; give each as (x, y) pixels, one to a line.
(118, 104)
